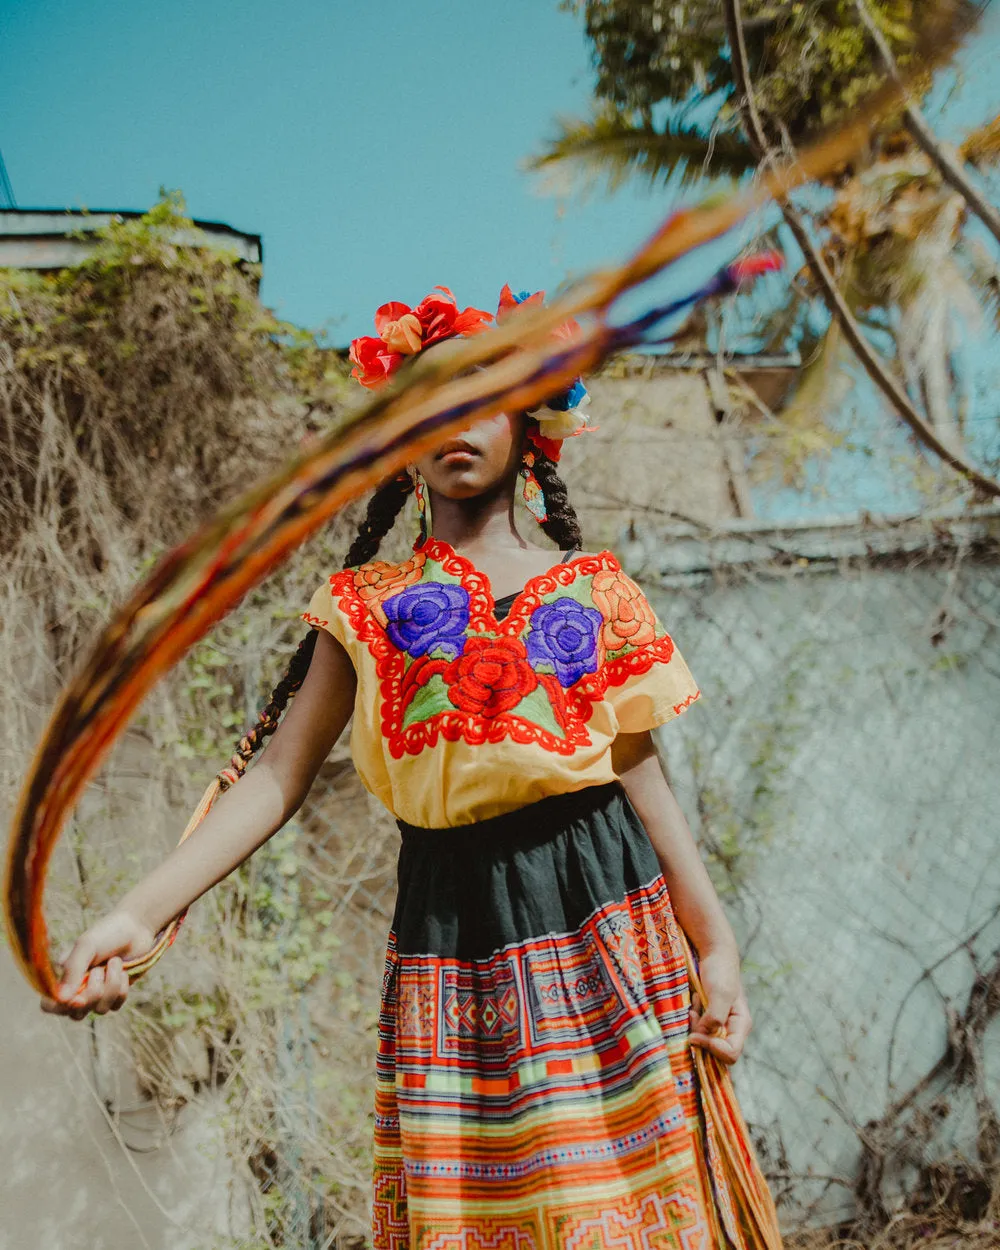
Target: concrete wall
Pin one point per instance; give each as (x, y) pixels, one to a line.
(658, 452)
(842, 762)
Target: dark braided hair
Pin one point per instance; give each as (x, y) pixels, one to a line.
(562, 524)
(267, 721)
(383, 508)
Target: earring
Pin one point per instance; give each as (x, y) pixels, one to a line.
(531, 492)
(419, 493)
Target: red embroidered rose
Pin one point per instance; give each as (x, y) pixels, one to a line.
(491, 676)
(377, 579)
(628, 618)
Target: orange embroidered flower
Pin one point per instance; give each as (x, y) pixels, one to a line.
(379, 579)
(628, 618)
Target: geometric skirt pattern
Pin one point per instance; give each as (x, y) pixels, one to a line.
(535, 1089)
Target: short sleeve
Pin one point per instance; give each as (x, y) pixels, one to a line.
(648, 680)
(325, 613)
(648, 699)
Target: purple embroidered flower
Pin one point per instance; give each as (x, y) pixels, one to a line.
(564, 638)
(431, 616)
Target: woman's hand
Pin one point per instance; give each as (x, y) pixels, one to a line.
(93, 975)
(722, 1025)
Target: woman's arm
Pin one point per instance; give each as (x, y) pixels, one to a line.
(239, 822)
(722, 1024)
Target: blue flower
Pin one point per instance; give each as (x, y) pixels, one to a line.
(572, 398)
(564, 637)
(432, 616)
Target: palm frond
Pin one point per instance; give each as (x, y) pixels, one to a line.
(982, 146)
(613, 147)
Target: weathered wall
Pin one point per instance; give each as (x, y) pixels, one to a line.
(841, 766)
(658, 452)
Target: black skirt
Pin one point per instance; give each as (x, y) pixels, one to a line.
(535, 1086)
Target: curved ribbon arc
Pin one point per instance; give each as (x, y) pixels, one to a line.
(196, 584)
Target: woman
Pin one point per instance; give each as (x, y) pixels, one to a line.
(535, 1083)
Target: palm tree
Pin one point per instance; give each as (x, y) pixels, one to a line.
(889, 251)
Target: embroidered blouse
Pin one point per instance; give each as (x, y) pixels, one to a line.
(462, 712)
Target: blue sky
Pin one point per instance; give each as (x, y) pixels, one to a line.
(378, 149)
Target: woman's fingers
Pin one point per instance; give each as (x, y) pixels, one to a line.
(726, 1042)
(721, 1047)
(93, 976)
(114, 992)
(89, 995)
(74, 968)
(739, 1024)
(105, 988)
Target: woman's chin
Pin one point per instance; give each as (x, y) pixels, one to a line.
(460, 481)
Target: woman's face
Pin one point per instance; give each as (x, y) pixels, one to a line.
(478, 458)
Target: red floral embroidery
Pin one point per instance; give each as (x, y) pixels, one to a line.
(628, 618)
(483, 694)
(492, 675)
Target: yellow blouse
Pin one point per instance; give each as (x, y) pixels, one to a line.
(459, 716)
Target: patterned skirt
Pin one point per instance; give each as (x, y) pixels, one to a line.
(535, 1090)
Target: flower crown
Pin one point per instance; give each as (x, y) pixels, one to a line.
(402, 331)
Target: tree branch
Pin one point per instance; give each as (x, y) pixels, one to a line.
(949, 168)
(835, 302)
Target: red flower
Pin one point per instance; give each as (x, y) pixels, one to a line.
(404, 331)
(491, 676)
(751, 267)
(373, 361)
(509, 302)
(439, 316)
(550, 447)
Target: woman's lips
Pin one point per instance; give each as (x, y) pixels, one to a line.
(456, 450)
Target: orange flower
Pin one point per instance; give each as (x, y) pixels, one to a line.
(402, 333)
(628, 618)
(378, 579)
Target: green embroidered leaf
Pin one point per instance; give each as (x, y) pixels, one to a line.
(428, 701)
(434, 572)
(537, 709)
(578, 590)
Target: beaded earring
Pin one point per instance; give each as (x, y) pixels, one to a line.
(531, 491)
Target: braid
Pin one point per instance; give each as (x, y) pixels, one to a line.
(562, 525)
(383, 508)
(267, 721)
